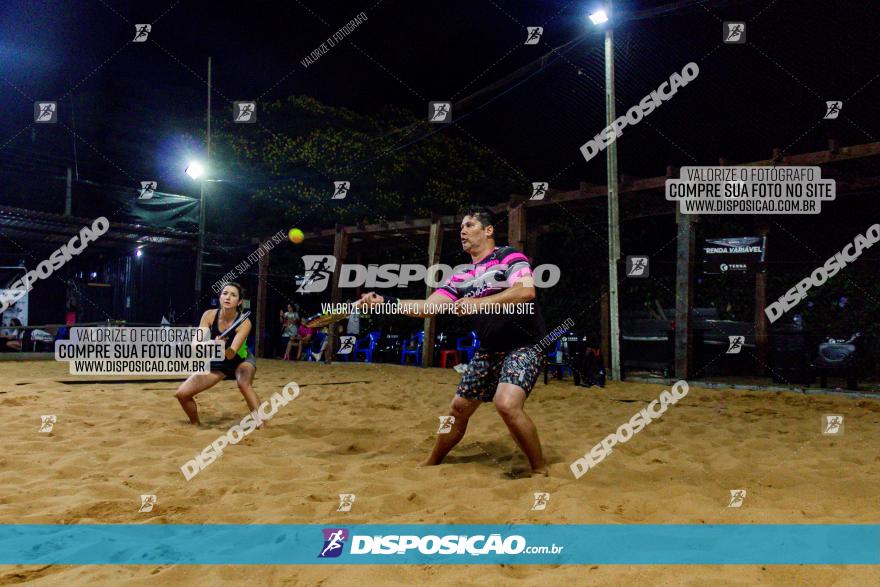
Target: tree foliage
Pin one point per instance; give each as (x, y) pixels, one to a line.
(398, 165)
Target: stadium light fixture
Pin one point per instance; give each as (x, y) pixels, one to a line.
(599, 17)
(195, 169)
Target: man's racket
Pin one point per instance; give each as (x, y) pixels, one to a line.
(323, 320)
(236, 324)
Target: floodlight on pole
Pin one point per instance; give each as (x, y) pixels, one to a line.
(599, 17)
(202, 212)
(195, 169)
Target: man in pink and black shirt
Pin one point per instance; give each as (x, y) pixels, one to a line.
(506, 366)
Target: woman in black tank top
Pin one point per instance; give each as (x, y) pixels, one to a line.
(238, 363)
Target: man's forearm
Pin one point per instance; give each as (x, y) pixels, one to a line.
(420, 308)
(512, 295)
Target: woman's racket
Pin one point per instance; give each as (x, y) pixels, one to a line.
(236, 324)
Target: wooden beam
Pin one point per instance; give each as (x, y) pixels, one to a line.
(531, 250)
(262, 283)
(828, 156)
(435, 244)
(516, 227)
(763, 228)
(387, 228)
(589, 192)
(684, 294)
(605, 317)
(359, 259)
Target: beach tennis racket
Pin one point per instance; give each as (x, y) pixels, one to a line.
(236, 324)
(323, 320)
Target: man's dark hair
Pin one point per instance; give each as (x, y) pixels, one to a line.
(481, 214)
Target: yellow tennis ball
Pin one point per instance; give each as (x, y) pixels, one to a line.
(296, 236)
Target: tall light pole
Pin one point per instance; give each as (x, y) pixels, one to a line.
(598, 18)
(201, 251)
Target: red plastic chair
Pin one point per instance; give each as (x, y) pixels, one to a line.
(449, 353)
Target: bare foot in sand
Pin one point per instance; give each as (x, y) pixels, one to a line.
(544, 471)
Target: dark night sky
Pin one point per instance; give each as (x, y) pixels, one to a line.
(748, 98)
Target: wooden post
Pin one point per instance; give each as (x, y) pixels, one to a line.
(516, 225)
(359, 259)
(684, 295)
(340, 248)
(760, 303)
(262, 283)
(531, 250)
(435, 243)
(605, 311)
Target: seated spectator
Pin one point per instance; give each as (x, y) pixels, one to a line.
(291, 340)
(12, 342)
(303, 338)
(325, 353)
(289, 321)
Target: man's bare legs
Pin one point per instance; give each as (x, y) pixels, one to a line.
(462, 409)
(195, 384)
(509, 400)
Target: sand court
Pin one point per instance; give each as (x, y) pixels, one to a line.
(362, 429)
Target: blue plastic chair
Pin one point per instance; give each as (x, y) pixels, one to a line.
(416, 352)
(366, 346)
(469, 350)
(551, 356)
(315, 346)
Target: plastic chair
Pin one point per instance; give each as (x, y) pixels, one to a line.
(560, 364)
(448, 353)
(419, 339)
(470, 349)
(560, 358)
(315, 346)
(366, 346)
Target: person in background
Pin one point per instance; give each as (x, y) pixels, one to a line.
(289, 321)
(354, 324)
(292, 340)
(304, 339)
(10, 340)
(326, 352)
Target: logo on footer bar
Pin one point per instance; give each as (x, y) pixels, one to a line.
(334, 540)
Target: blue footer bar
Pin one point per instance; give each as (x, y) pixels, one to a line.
(228, 544)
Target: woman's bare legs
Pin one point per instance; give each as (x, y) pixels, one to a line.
(244, 376)
(302, 342)
(290, 342)
(194, 385)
